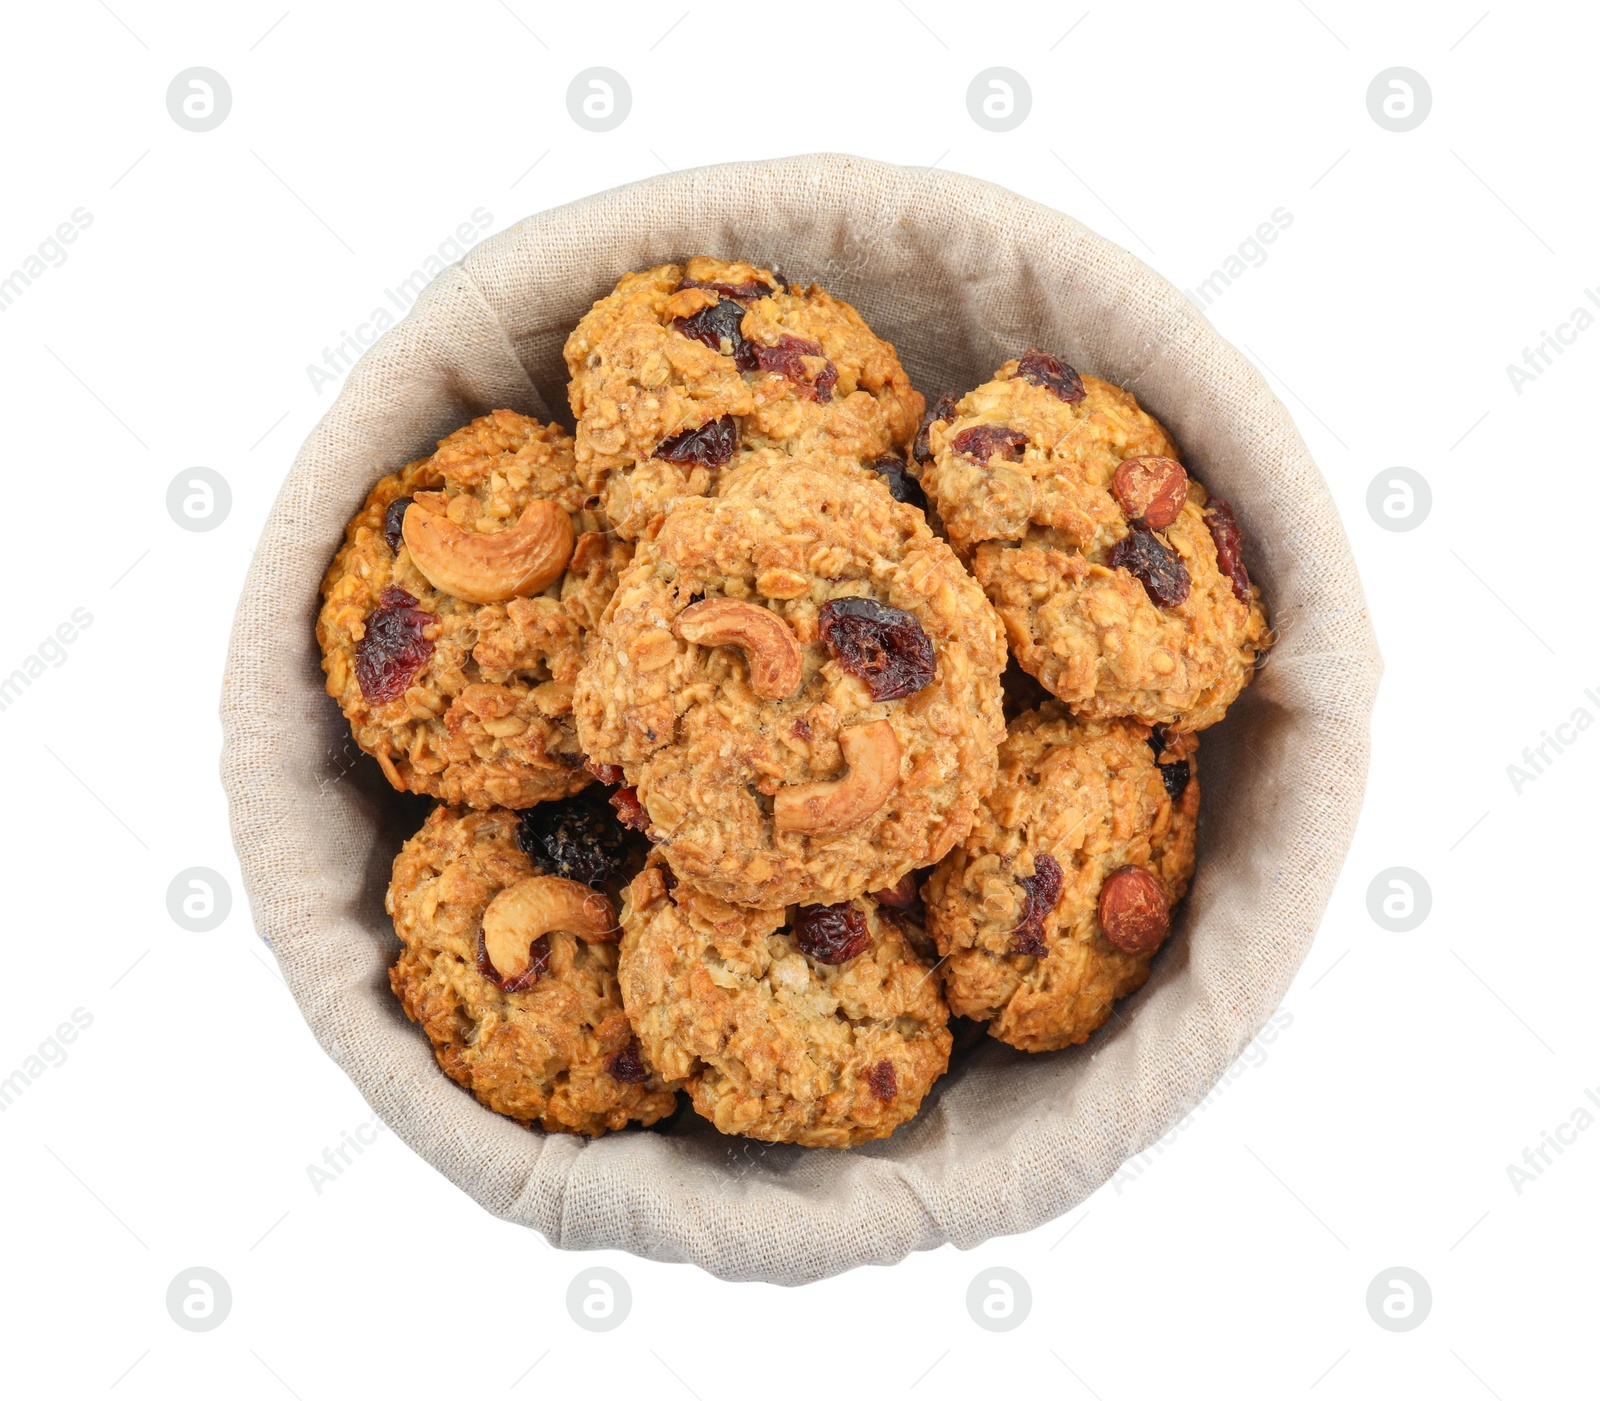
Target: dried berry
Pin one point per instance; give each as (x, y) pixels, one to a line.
(1176, 777)
(610, 774)
(1229, 540)
(986, 440)
(538, 965)
(886, 647)
(902, 895)
(881, 1081)
(1049, 373)
(710, 445)
(831, 933)
(942, 412)
(718, 327)
(902, 485)
(630, 811)
(393, 520)
(1134, 914)
(1154, 565)
(393, 649)
(739, 291)
(627, 1065)
(1043, 889)
(1150, 490)
(787, 358)
(575, 838)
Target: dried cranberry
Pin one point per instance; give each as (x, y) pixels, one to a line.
(393, 649)
(538, 966)
(886, 647)
(831, 933)
(718, 326)
(610, 774)
(1229, 540)
(393, 519)
(942, 412)
(627, 1065)
(1155, 566)
(574, 838)
(630, 811)
(739, 291)
(1176, 777)
(1043, 888)
(785, 358)
(984, 441)
(902, 895)
(1049, 373)
(881, 1081)
(902, 485)
(710, 445)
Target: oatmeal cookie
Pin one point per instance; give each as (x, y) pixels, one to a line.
(679, 366)
(817, 1025)
(546, 1042)
(455, 667)
(1054, 905)
(802, 684)
(1119, 579)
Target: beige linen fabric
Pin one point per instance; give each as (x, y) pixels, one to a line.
(959, 275)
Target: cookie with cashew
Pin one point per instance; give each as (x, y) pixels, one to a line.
(682, 366)
(512, 974)
(1061, 894)
(454, 615)
(817, 1025)
(1121, 582)
(801, 684)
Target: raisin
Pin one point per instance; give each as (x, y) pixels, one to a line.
(575, 838)
(831, 933)
(710, 445)
(1229, 540)
(984, 441)
(1043, 889)
(393, 520)
(627, 1065)
(739, 291)
(881, 1081)
(785, 358)
(630, 811)
(1049, 373)
(392, 650)
(886, 647)
(718, 327)
(1155, 566)
(942, 412)
(1176, 777)
(538, 966)
(902, 485)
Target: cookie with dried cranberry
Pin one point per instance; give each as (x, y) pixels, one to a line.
(512, 973)
(801, 684)
(454, 615)
(816, 1025)
(681, 366)
(1054, 905)
(1120, 580)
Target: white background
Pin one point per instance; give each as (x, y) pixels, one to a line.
(1409, 1070)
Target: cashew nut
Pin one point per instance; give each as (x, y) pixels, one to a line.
(537, 906)
(835, 805)
(488, 566)
(768, 643)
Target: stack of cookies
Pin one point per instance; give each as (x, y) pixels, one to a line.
(774, 722)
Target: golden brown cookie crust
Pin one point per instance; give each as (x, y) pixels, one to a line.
(636, 381)
(1038, 532)
(1090, 795)
(488, 719)
(710, 758)
(769, 1042)
(540, 1055)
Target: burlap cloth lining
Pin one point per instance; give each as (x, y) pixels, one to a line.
(960, 275)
